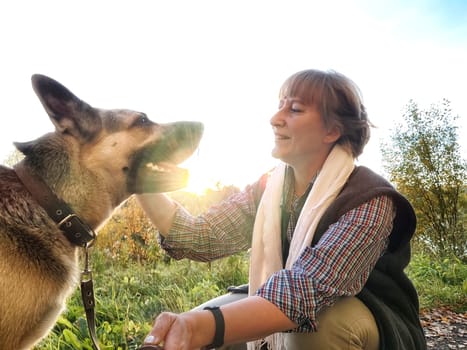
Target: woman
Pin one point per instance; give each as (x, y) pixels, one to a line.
(329, 240)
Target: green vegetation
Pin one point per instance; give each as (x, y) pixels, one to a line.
(439, 282)
(130, 294)
(424, 161)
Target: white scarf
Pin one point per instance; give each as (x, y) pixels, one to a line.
(266, 251)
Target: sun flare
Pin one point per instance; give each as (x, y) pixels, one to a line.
(200, 177)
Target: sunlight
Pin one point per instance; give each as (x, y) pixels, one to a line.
(198, 182)
(200, 178)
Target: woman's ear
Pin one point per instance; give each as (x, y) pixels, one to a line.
(333, 134)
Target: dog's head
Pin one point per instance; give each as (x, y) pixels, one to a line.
(120, 148)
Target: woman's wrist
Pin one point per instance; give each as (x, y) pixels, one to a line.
(202, 326)
(160, 209)
(219, 327)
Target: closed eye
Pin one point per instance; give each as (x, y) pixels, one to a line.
(292, 105)
(296, 110)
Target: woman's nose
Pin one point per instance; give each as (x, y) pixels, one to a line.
(277, 120)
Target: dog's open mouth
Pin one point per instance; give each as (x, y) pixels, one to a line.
(155, 169)
(159, 177)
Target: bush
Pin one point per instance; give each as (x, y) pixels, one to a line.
(439, 282)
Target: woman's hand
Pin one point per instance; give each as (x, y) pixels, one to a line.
(245, 320)
(186, 331)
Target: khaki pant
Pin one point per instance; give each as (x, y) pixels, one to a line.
(347, 325)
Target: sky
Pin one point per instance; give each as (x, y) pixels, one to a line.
(223, 62)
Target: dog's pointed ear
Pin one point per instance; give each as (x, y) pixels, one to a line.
(68, 113)
(24, 147)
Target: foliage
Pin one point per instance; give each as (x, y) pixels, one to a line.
(129, 236)
(439, 281)
(130, 293)
(423, 160)
(13, 158)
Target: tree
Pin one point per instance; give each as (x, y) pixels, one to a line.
(424, 162)
(129, 236)
(14, 157)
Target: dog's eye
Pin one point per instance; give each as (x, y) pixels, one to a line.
(142, 120)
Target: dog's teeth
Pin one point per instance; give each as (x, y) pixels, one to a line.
(157, 167)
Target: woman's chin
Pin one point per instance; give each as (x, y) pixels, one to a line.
(278, 154)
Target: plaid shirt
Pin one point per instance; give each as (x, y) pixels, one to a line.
(338, 265)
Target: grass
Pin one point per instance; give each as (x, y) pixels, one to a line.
(129, 296)
(439, 282)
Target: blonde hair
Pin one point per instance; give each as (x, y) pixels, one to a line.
(339, 101)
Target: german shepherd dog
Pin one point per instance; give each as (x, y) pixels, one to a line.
(72, 178)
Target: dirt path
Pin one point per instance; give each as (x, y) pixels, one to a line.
(445, 329)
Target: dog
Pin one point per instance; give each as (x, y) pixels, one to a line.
(70, 179)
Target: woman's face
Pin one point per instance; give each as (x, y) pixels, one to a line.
(300, 134)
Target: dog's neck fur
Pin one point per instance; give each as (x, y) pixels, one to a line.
(68, 180)
(75, 230)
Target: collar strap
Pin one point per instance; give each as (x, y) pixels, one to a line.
(76, 230)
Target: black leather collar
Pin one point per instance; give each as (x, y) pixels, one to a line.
(76, 230)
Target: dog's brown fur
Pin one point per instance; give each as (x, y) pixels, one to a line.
(94, 161)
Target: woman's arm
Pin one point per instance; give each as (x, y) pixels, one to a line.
(245, 320)
(160, 209)
(224, 229)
